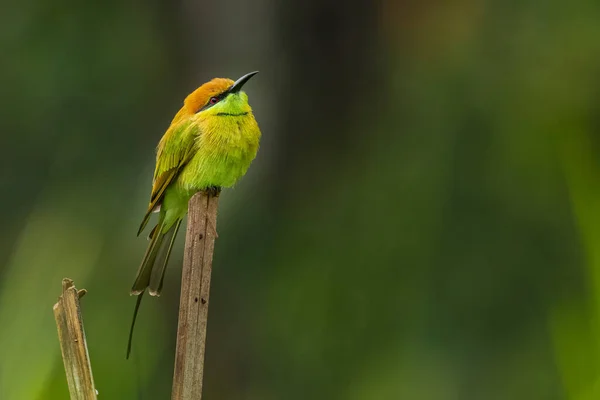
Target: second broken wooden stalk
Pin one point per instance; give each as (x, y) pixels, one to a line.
(73, 345)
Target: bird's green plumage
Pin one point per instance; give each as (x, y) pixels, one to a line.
(220, 145)
(210, 148)
(207, 145)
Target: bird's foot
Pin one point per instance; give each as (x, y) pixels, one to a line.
(213, 191)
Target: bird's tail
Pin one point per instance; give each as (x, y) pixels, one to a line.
(147, 276)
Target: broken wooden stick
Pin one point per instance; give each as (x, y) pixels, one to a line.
(195, 288)
(72, 343)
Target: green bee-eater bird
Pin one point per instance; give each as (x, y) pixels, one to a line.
(209, 145)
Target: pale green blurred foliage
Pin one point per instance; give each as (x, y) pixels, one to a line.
(51, 231)
(575, 323)
(422, 221)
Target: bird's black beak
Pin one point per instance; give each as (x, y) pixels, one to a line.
(237, 86)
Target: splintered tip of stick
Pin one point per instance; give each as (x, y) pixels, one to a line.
(66, 284)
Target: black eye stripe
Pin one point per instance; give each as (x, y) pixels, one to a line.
(219, 97)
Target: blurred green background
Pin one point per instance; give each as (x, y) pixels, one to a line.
(422, 221)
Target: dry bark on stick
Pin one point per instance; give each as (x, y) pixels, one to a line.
(195, 288)
(72, 343)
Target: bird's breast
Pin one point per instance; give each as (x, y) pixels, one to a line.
(225, 149)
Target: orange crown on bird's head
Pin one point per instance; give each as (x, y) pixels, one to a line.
(199, 97)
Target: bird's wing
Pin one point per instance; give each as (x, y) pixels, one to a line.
(175, 149)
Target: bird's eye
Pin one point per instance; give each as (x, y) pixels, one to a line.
(213, 100)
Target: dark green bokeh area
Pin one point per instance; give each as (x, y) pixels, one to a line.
(422, 220)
